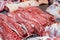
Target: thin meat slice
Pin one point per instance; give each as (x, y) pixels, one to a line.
(3, 17)
(2, 35)
(23, 18)
(37, 18)
(28, 15)
(35, 9)
(10, 34)
(32, 15)
(30, 18)
(28, 26)
(41, 13)
(29, 29)
(44, 14)
(18, 27)
(37, 27)
(48, 16)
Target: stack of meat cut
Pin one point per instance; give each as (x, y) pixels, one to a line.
(24, 22)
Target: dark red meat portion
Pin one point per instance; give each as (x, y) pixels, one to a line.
(10, 34)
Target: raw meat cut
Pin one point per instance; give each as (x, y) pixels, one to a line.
(10, 34)
(3, 17)
(2, 4)
(29, 16)
(17, 26)
(28, 26)
(41, 13)
(53, 30)
(25, 22)
(2, 35)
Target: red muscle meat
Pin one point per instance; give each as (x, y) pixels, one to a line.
(33, 24)
(28, 26)
(2, 35)
(10, 34)
(33, 16)
(39, 18)
(3, 17)
(41, 13)
(2, 4)
(57, 38)
(29, 16)
(17, 26)
(24, 22)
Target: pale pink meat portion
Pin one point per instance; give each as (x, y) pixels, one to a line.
(2, 4)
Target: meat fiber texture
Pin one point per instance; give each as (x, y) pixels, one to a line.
(29, 17)
(52, 32)
(24, 22)
(54, 9)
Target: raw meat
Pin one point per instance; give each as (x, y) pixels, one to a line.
(18, 28)
(41, 13)
(2, 35)
(25, 22)
(28, 26)
(10, 34)
(2, 4)
(29, 17)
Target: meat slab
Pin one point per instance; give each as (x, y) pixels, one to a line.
(24, 22)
